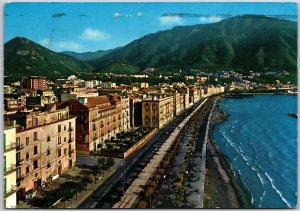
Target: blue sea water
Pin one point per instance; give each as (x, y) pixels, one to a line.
(260, 141)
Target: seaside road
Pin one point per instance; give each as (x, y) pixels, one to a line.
(194, 187)
(112, 189)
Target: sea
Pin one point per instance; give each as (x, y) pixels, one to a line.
(259, 140)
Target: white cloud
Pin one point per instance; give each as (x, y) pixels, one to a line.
(170, 20)
(211, 19)
(67, 45)
(94, 35)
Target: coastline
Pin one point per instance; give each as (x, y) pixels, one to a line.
(222, 189)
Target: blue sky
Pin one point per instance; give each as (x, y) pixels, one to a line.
(83, 27)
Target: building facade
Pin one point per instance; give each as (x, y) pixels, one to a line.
(98, 120)
(9, 162)
(36, 82)
(45, 146)
(156, 112)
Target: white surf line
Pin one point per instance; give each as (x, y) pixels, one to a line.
(131, 196)
(203, 160)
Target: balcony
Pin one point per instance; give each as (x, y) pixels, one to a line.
(10, 169)
(10, 147)
(71, 152)
(70, 129)
(70, 140)
(21, 177)
(19, 147)
(20, 162)
(12, 190)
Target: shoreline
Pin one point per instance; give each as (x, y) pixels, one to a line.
(222, 189)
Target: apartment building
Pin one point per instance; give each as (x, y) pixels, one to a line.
(9, 162)
(98, 119)
(157, 111)
(125, 113)
(34, 82)
(45, 146)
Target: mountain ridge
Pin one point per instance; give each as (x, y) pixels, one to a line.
(247, 41)
(23, 57)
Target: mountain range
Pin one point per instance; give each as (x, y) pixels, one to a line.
(245, 42)
(23, 57)
(89, 55)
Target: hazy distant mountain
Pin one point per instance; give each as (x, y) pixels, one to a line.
(248, 41)
(23, 57)
(89, 55)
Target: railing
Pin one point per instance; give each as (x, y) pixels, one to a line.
(11, 169)
(12, 190)
(71, 152)
(20, 146)
(20, 162)
(20, 178)
(10, 147)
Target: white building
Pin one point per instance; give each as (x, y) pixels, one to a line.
(9, 161)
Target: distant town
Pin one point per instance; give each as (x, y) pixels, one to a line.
(56, 126)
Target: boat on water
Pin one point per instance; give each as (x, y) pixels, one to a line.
(293, 115)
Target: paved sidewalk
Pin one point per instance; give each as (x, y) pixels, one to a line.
(69, 176)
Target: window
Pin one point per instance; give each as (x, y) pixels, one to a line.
(65, 139)
(70, 125)
(65, 127)
(59, 116)
(35, 150)
(27, 140)
(35, 122)
(65, 151)
(59, 140)
(35, 136)
(27, 156)
(35, 164)
(71, 107)
(27, 170)
(48, 151)
(59, 128)
(48, 165)
(59, 152)
(18, 141)
(48, 138)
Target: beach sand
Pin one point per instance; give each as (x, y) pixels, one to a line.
(221, 189)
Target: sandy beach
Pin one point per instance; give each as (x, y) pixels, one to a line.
(221, 189)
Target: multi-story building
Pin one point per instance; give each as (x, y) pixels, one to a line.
(76, 95)
(135, 111)
(98, 119)
(35, 82)
(45, 146)
(108, 85)
(156, 112)
(9, 162)
(178, 103)
(125, 113)
(194, 94)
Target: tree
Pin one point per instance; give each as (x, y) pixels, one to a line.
(96, 170)
(101, 164)
(110, 162)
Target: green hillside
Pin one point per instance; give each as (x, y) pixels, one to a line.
(242, 42)
(23, 57)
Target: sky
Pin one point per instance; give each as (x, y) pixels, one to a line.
(85, 27)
